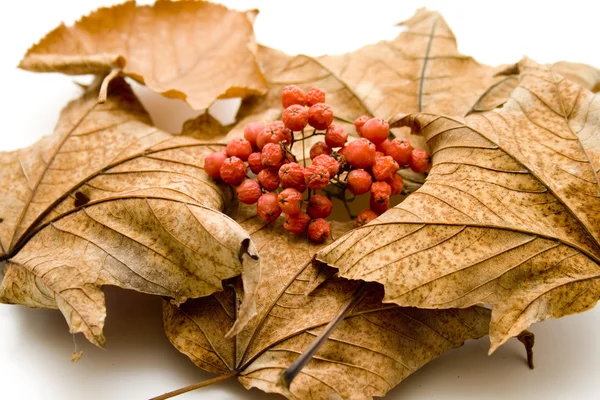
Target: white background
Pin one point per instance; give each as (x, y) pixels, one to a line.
(139, 362)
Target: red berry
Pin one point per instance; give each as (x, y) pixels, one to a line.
(290, 201)
(267, 208)
(251, 132)
(318, 230)
(319, 148)
(255, 162)
(296, 224)
(378, 154)
(233, 171)
(212, 164)
(320, 116)
(359, 122)
(400, 150)
(360, 153)
(380, 197)
(248, 191)
(316, 176)
(315, 95)
(335, 136)
(396, 183)
(295, 117)
(365, 217)
(268, 179)
(272, 155)
(359, 181)
(382, 147)
(291, 95)
(420, 161)
(292, 176)
(240, 148)
(319, 206)
(328, 162)
(384, 168)
(376, 130)
(275, 132)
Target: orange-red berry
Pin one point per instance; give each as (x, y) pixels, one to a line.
(366, 216)
(384, 168)
(290, 201)
(396, 183)
(315, 95)
(233, 171)
(296, 224)
(251, 132)
(240, 148)
(267, 208)
(376, 130)
(328, 162)
(400, 150)
(320, 116)
(255, 162)
(359, 181)
(213, 163)
(318, 230)
(319, 148)
(291, 95)
(248, 191)
(295, 117)
(269, 179)
(316, 176)
(335, 136)
(420, 161)
(319, 206)
(360, 153)
(275, 132)
(360, 122)
(272, 155)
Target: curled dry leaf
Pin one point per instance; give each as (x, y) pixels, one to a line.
(373, 349)
(108, 199)
(192, 50)
(420, 70)
(509, 215)
(496, 95)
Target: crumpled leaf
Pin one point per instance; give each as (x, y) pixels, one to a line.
(192, 50)
(420, 70)
(108, 199)
(509, 215)
(373, 349)
(496, 95)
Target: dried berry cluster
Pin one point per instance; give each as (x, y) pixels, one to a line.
(284, 184)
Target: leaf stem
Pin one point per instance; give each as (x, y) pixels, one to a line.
(528, 340)
(195, 386)
(103, 95)
(293, 370)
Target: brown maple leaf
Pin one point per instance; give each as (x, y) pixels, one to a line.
(372, 350)
(496, 95)
(109, 199)
(509, 215)
(192, 50)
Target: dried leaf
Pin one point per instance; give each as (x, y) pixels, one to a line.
(192, 50)
(509, 215)
(108, 199)
(420, 70)
(499, 93)
(374, 348)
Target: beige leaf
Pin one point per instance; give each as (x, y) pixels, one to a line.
(509, 215)
(374, 348)
(192, 50)
(108, 199)
(499, 93)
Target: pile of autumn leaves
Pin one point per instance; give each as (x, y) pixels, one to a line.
(508, 216)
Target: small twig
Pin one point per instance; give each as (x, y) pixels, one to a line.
(195, 386)
(293, 370)
(103, 95)
(303, 150)
(528, 340)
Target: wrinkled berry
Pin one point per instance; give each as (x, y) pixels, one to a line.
(248, 191)
(320, 116)
(359, 181)
(295, 117)
(319, 206)
(290, 201)
(316, 176)
(291, 95)
(315, 95)
(318, 230)
(267, 208)
(233, 171)
(269, 179)
(296, 224)
(335, 136)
